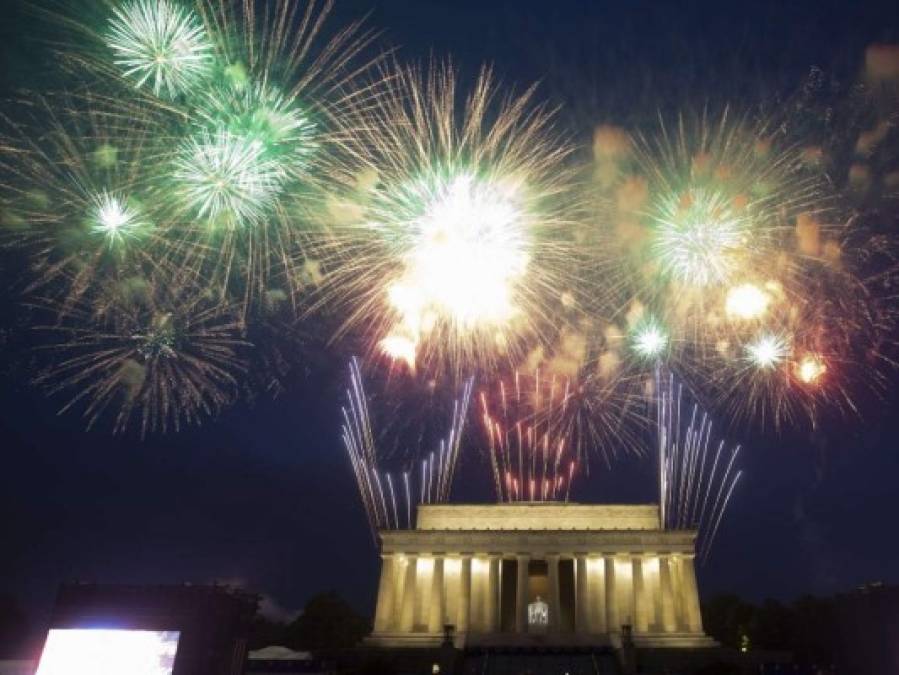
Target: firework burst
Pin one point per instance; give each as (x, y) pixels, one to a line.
(456, 250)
(250, 104)
(226, 180)
(144, 352)
(161, 45)
(74, 192)
(731, 267)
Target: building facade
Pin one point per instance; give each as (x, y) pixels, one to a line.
(538, 573)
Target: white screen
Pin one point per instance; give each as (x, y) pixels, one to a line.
(98, 651)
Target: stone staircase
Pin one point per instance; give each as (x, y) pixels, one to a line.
(541, 662)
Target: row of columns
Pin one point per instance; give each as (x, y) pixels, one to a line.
(610, 590)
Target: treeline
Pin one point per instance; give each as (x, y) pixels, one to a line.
(853, 632)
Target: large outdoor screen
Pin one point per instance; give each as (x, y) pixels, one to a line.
(98, 651)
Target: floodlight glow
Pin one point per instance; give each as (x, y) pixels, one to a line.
(108, 652)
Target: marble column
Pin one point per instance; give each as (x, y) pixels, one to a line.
(521, 595)
(386, 593)
(399, 574)
(407, 615)
(669, 624)
(582, 595)
(677, 595)
(437, 599)
(598, 596)
(554, 600)
(641, 609)
(653, 594)
(612, 622)
(492, 594)
(691, 595)
(462, 621)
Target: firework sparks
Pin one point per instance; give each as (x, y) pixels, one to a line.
(77, 192)
(714, 206)
(696, 475)
(434, 472)
(529, 451)
(148, 351)
(810, 369)
(699, 237)
(160, 44)
(261, 114)
(746, 301)
(649, 339)
(460, 236)
(115, 218)
(225, 178)
(469, 251)
(768, 350)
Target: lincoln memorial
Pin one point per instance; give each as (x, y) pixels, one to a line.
(538, 573)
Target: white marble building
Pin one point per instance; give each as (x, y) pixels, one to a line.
(538, 573)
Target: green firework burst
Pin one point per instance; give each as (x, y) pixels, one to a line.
(261, 113)
(115, 217)
(160, 44)
(223, 177)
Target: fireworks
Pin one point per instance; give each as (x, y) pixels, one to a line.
(226, 179)
(424, 480)
(146, 351)
(745, 302)
(649, 339)
(727, 260)
(160, 44)
(767, 350)
(528, 447)
(700, 236)
(810, 369)
(720, 198)
(115, 219)
(460, 237)
(467, 255)
(229, 172)
(250, 106)
(77, 192)
(261, 114)
(696, 476)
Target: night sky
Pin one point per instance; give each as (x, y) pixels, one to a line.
(264, 496)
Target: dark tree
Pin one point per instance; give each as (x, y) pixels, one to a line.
(816, 634)
(773, 626)
(265, 632)
(327, 625)
(727, 618)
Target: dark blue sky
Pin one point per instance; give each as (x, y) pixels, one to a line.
(264, 493)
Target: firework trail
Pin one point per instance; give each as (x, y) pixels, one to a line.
(528, 448)
(697, 475)
(427, 480)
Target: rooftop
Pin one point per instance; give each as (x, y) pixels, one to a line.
(538, 516)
